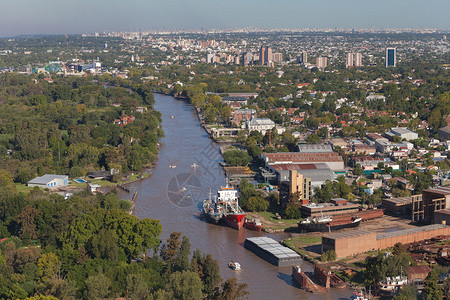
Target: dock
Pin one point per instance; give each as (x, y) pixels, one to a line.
(272, 251)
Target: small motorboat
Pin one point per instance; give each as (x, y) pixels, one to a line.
(172, 116)
(254, 224)
(234, 265)
(172, 166)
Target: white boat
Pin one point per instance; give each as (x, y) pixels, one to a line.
(358, 296)
(234, 265)
(172, 117)
(172, 166)
(393, 283)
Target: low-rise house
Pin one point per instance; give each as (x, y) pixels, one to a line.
(49, 181)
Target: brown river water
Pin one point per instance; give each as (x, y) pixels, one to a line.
(174, 195)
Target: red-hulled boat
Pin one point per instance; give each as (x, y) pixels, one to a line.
(254, 224)
(234, 215)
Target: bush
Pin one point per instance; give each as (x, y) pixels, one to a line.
(292, 212)
(328, 255)
(256, 203)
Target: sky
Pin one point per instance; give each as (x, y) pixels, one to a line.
(24, 17)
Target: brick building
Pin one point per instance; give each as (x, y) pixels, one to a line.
(354, 242)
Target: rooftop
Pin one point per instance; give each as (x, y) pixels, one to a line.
(399, 200)
(46, 178)
(347, 234)
(442, 190)
(386, 235)
(302, 157)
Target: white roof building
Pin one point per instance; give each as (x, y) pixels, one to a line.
(49, 181)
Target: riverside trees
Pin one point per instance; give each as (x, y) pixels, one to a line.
(89, 250)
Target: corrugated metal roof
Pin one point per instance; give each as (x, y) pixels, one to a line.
(46, 178)
(443, 190)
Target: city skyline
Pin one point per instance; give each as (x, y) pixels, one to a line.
(28, 17)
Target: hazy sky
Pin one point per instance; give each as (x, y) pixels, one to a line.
(19, 17)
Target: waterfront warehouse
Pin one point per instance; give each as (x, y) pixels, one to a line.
(272, 251)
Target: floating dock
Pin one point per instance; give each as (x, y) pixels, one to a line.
(272, 251)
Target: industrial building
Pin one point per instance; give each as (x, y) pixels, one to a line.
(337, 206)
(400, 206)
(332, 159)
(319, 173)
(314, 148)
(433, 200)
(49, 181)
(272, 251)
(354, 242)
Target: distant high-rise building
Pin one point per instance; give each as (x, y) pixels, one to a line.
(262, 53)
(391, 57)
(349, 60)
(247, 58)
(321, 62)
(236, 60)
(268, 55)
(358, 60)
(302, 58)
(277, 57)
(209, 58)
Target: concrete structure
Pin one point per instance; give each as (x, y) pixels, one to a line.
(391, 57)
(354, 242)
(329, 209)
(272, 251)
(404, 133)
(444, 133)
(242, 115)
(297, 184)
(49, 181)
(321, 62)
(375, 97)
(442, 217)
(366, 161)
(303, 57)
(423, 209)
(314, 148)
(331, 159)
(400, 206)
(358, 60)
(318, 173)
(230, 99)
(260, 124)
(349, 60)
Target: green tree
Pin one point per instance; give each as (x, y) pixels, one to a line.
(232, 290)
(137, 286)
(186, 285)
(49, 267)
(357, 170)
(432, 290)
(256, 203)
(97, 286)
(170, 249)
(407, 292)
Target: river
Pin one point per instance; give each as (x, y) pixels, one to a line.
(173, 195)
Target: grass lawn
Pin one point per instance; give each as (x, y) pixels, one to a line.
(23, 188)
(304, 240)
(273, 223)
